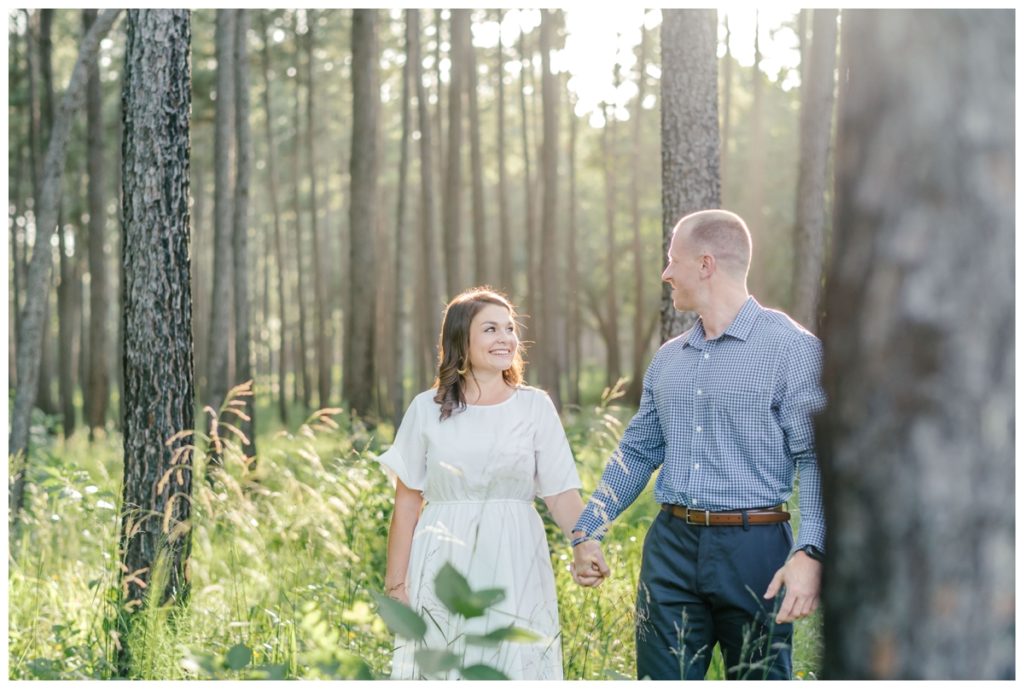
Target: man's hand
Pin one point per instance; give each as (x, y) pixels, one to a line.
(801, 575)
(588, 567)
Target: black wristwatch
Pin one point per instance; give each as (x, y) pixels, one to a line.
(814, 552)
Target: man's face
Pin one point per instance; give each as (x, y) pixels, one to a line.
(682, 272)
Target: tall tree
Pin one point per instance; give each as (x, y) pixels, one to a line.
(531, 285)
(44, 45)
(610, 322)
(812, 177)
(453, 160)
(360, 316)
(67, 324)
(756, 171)
(323, 350)
(159, 393)
(504, 226)
(282, 302)
(222, 294)
(482, 273)
(302, 363)
(430, 304)
(241, 256)
(689, 131)
(727, 69)
(98, 382)
(550, 334)
(37, 288)
(400, 306)
(641, 318)
(919, 351)
(574, 319)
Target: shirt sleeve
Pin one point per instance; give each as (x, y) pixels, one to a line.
(640, 452)
(407, 456)
(802, 399)
(556, 468)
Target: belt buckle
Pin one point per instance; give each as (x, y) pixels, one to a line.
(707, 518)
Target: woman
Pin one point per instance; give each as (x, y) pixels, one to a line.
(478, 448)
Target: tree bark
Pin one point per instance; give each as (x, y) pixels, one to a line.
(689, 132)
(551, 342)
(812, 177)
(300, 263)
(160, 397)
(67, 327)
(640, 276)
(360, 316)
(430, 305)
(482, 270)
(609, 144)
(727, 67)
(37, 289)
(453, 178)
(504, 226)
(919, 343)
(401, 311)
(242, 258)
(98, 382)
(323, 351)
(222, 295)
(574, 320)
(45, 400)
(531, 285)
(279, 255)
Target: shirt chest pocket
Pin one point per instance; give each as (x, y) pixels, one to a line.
(743, 413)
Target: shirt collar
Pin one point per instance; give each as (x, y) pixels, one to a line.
(740, 327)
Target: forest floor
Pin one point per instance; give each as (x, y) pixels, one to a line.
(284, 562)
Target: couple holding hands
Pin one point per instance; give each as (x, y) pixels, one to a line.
(726, 413)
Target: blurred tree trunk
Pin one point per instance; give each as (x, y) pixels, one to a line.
(483, 274)
(504, 227)
(574, 319)
(550, 289)
(454, 282)
(689, 132)
(812, 177)
(360, 316)
(641, 335)
(430, 305)
(243, 260)
(282, 302)
(439, 111)
(727, 67)
(160, 397)
(45, 400)
(222, 296)
(98, 382)
(67, 326)
(755, 217)
(322, 313)
(300, 263)
(37, 288)
(531, 285)
(609, 144)
(18, 207)
(403, 247)
(919, 342)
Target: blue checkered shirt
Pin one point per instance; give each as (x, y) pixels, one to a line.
(729, 421)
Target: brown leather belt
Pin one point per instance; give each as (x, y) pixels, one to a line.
(771, 515)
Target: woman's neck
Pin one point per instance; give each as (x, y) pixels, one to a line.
(486, 388)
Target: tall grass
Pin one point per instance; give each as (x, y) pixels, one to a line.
(284, 560)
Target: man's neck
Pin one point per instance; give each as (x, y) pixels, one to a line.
(722, 311)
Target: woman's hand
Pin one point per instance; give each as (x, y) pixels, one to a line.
(398, 593)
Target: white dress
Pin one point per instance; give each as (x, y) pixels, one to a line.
(480, 471)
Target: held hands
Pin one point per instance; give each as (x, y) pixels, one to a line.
(801, 575)
(588, 567)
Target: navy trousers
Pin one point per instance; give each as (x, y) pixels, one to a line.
(702, 585)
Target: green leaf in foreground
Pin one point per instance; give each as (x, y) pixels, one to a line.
(453, 590)
(400, 619)
(238, 657)
(512, 634)
(485, 672)
(433, 662)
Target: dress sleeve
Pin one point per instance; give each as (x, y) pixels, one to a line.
(556, 468)
(407, 456)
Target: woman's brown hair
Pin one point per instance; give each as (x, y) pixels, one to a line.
(453, 350)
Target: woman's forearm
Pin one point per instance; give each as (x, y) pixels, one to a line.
(565, 509)
(403, 524)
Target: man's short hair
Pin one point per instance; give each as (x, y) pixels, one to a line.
(721, 234)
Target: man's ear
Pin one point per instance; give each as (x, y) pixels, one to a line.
(708, 265)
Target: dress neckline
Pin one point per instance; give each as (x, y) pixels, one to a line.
(515, 391)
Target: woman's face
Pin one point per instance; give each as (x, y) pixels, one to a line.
(492, 339)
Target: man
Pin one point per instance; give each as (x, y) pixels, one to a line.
(726, 413)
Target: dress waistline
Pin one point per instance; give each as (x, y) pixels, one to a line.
(480, 502)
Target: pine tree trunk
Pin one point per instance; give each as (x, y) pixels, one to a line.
(45, 400)
(160, 398)
(454, 281)
(727, 67)
(222, 294)
(551, 342)
(613, 368)
(401, 311)
(482, 271)
(812, 177)
(531, 285)
(37, 288)
(574, 320)
(919, 343)
(689, 132)
(67, 329)
(242, 258)
(640, 276)
(282, 302)
(504, 226)
(300, 263)
(361, 314)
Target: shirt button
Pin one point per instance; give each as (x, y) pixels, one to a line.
(696, 466)
(699, 429)
(706, 355)
(700, 392)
